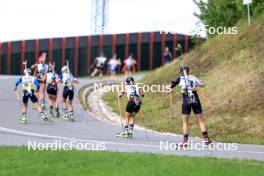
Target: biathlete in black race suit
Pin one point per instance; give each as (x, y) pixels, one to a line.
(133, 105)
(30, 87)
(52, 91)
(68, 81)
(189, 84)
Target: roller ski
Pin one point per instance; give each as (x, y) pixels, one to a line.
(184, 145)
(57, 114)
(207, 141)
(45, 118)
(65, 116)
(124, 135)
(22, 120)
(71, 117)
(52, 113)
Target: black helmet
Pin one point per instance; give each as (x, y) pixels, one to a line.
(185, 68)
(130, 79)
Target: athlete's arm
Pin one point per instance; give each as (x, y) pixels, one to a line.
(19, 81)
(175, 82)
(75, 80)
(141, 93)
(120, 94)
(199, 83)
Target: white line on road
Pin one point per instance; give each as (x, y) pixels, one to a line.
(7, 130)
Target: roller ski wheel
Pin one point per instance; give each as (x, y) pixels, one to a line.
(52, 115)
(57, 115)
(71, 118)
(124, 135)
(22, 120)
(64, 116)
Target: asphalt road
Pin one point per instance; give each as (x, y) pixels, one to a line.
(94, 134)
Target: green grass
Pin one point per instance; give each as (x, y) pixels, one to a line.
(20, 161)
(232, 67)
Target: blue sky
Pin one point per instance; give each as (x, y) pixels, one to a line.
(30, 19)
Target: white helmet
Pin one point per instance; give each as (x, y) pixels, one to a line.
(64, 69)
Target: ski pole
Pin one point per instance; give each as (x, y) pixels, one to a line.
(143, 120)
(120, 111)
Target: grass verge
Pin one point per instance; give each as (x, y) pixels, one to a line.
(20, 161)
(233, 101)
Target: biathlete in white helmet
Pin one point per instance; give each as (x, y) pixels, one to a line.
(134, 94)
(41, 69)
(98, 65)
(113, 64)
(52, 90)
(189, 84)
(129, 66)
(68, 81)
(30, 87)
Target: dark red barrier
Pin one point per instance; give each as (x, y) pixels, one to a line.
(139, 51)
(9, 45)
(36, 49)
(63, 51)
(151, 46)
(50, 49)
(113, 44)
(23, 55)
(163, 40)
(127, 45)
(89, 44)
(101, 43)
(174, 45)
(76, 56)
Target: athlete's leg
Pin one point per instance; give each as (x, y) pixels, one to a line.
(200, 120)
(185, 124)
(64, 103)
(101, 73)
(50, 100)
(94, 72)
(132, 123)
(24, 108)
(126, 121)
(70, 103)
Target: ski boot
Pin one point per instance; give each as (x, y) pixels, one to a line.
(22, 119)
(71, 117)
(122, 134)
(130, 133)
(184, 144)
(51, 113)
(57, 114)
(45, 118)
(65, 116)
(207, 141)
